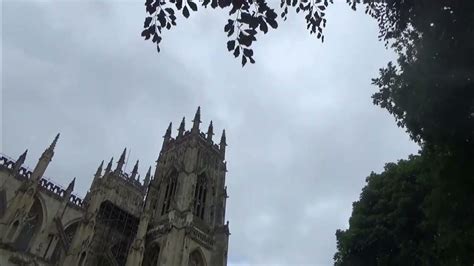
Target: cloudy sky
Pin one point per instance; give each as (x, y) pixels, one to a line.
(301, 128)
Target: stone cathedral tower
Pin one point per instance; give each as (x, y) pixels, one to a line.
(183, 218)
(175, 217)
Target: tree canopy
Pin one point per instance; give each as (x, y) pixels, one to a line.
(430, 92)
(388, 226)
(249, 18)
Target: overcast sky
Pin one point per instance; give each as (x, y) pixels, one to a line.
(301, 128)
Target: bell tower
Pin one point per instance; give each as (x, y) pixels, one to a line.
(183, 221)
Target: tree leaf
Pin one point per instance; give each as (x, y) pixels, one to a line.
(272, 23)
(248, 52)
(230, 23)
(169, 10)
(263, 26)
(146, 34)
(156, 38)
(192, 5)
(186, 12)
(230, 45)
(147, 22)
(237, 51)
(161, 17)
(244, 61)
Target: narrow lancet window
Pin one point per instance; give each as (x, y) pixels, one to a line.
(200, 196)
(169, 192)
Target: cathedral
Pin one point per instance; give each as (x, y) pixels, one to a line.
(175, 216)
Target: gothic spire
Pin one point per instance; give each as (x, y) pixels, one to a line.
(167, 135)
(121, 161)
(70, 187)
(146, 181)
(19, 162)
(98, 173)
(109, 166)
(67, 195)
(223, 142)
(44, 160)
(134, 171)
(197, 120)
(210, 132)
(181, 128)
(53, 144)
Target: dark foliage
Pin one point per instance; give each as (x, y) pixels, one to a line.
(387, 226)
(247, 19)
(430, 92)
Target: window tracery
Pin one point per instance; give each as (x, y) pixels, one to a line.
(169, 192)
(200, 193)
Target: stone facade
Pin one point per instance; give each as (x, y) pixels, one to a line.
(173, 217)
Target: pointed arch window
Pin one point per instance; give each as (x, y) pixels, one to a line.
(30, 227)
(169, 192)
(196, 259)
(59, 251)
(200, 193)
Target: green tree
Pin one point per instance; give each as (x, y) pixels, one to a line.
(430, 92)
(388, 226)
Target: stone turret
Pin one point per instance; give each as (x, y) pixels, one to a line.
(13, 220)
(223, 143)
(181, 128)
(210, 132)
(19, 163)
(196, 121)
(121, 161)
(44, 160)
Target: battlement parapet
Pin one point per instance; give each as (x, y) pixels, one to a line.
(46, 185)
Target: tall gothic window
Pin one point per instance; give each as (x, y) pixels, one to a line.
(30, 227)
(59, 251)
(169, 192)
(200, 192)
(196, 259)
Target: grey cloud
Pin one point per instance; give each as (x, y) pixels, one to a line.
(302, 131)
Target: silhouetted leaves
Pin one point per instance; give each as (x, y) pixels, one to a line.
(244, 60)
(237, 51)
(186, 12)
(263, 25)
(387, 225)
(248, 52)
(192, 5)
(249, 17)
(430, 92)
(147, 22)
(179, 4)
(231, 45)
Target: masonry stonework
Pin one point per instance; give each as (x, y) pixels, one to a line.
(175, 216)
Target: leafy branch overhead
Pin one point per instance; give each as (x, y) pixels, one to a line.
(247, 19)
